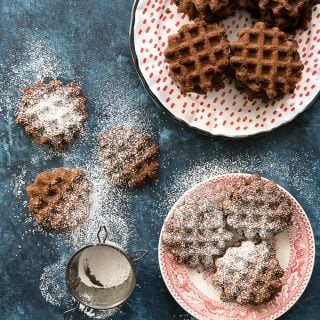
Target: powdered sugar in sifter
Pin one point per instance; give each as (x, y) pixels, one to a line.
(102, 276)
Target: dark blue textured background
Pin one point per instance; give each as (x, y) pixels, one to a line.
(91, 37)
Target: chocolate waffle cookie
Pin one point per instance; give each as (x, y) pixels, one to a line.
(207, 10)
(288, 15)
(52, 113)
(256, 208)
(197, 55)
(59, 199)
(249, 274)
(266, 63)
(196, 233)
(128, 157)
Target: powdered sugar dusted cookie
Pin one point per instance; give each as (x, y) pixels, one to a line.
(249, 274)
(196, 233)
(52, 113)
(59, 198)
(256, 208)
(128, 157)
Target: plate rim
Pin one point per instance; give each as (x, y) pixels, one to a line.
(182, 122)
(307, 281)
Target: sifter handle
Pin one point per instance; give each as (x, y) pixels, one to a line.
(138, 255)
(102, 234)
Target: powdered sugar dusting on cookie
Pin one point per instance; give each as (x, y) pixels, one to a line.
(249, 274)
(196, 232)
(59, 198)
(235, 259)
(256, 208)
(52, 113)
(56, 113)
(128, 157)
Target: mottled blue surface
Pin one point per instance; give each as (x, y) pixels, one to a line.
(91, 38)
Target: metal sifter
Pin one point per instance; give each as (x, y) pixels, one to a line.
(102, 276)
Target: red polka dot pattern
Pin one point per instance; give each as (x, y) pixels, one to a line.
(228, 111)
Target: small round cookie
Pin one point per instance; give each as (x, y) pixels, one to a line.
(196, 233)
(265, 62)
(197, 55)
(256, 208)
(249, 274)
(52, 113)
(59, 198)
(128, 157)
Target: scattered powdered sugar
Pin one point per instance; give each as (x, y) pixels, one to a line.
(107, 208)
(54, 114)
(101, 266)
(19, 182)
(37, 62)
(183, 317)
(118, 230)
(122, 103)
(52, 285)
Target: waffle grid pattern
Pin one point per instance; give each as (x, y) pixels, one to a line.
(265, 61)
(197, 55)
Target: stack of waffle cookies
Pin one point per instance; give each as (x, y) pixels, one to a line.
(264, 60)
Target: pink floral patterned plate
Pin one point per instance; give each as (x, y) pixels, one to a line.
(295, 251)
(227, 112)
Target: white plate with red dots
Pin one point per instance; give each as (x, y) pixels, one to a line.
(228, 112)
